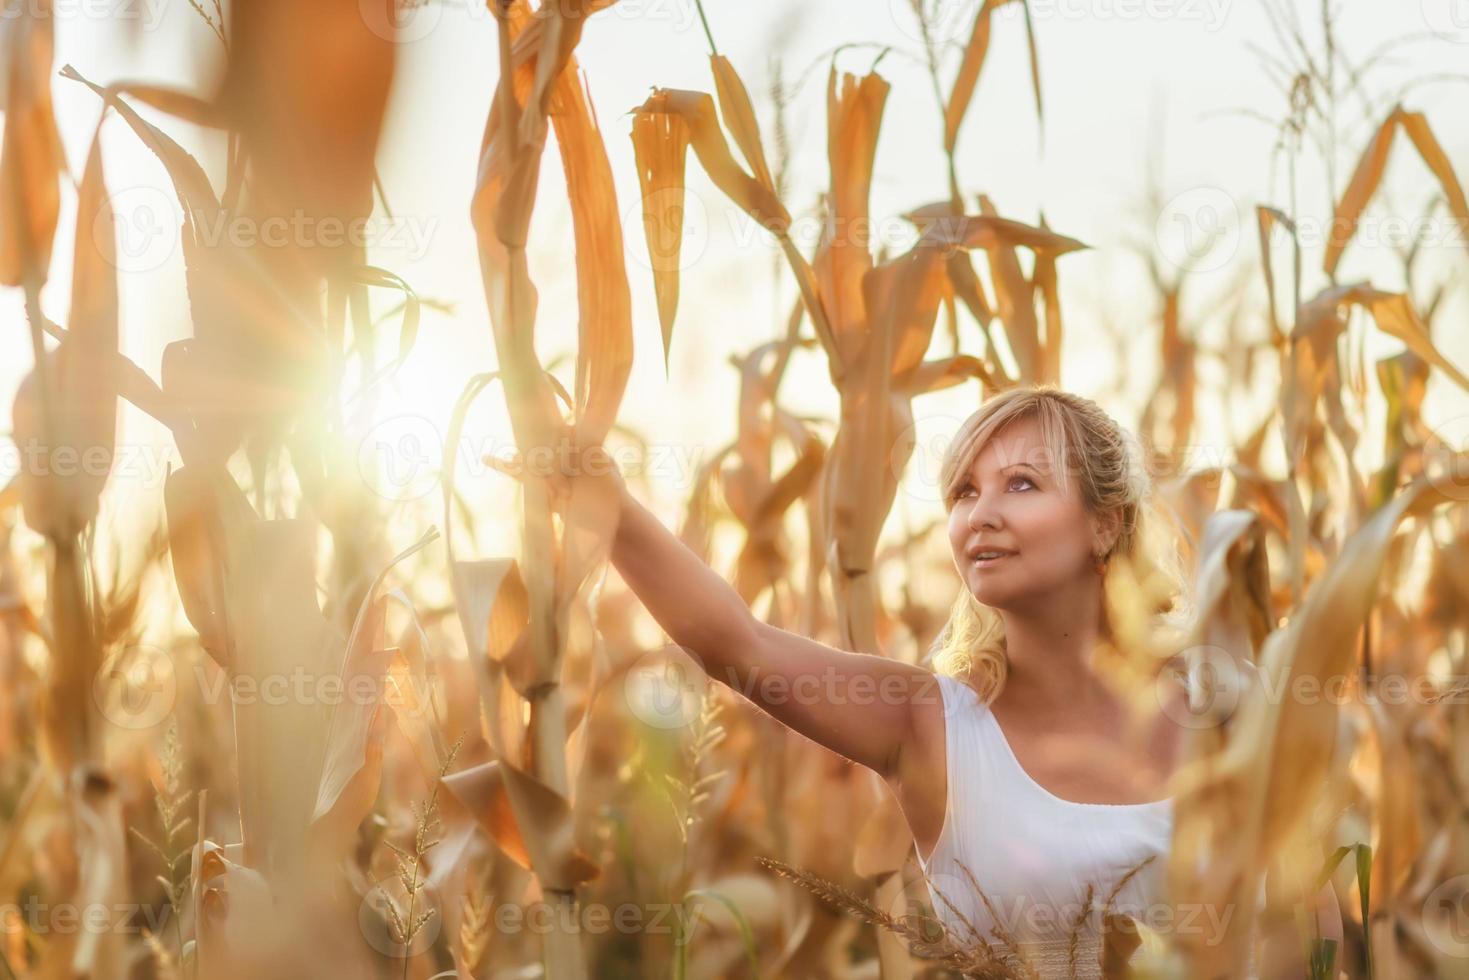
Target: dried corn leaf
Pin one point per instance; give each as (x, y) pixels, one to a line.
(256, 345)
(31, 159)
(1267, 218)
(761, 561)
(1236, 807)
(969, 69)
(1014, 297)
(758, 201)
(335, 824)
(946, 226)
(1035, 71)
(1368, 177)
(1400, 799)
(195, 193)
(528, 820)
(559, 28)
(408, 331)
(102, 857)
(968, 288)
(660, 145)
(503, 200)
(1050, 366)
(739, 117)
(604, 306)
(1418, 130)
(696, 528)
(180, 104)
(1364, 183)
(60, 497)
(310, 123)
(854, 109)
(1233, 585)
(494, 610)
(588, 528)
(1320, 642)
(696, 109)
(205, 510)
(945, 373)
(1395, 315)
(364, 664)
(279, 633)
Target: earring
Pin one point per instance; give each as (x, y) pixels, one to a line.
(1100, 563)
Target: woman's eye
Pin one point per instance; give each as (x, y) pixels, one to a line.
(970, 491)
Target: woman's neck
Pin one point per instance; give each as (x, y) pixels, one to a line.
(1052, 656)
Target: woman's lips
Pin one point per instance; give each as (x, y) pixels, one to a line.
(989, 562)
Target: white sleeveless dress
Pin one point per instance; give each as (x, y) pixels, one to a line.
(1034, 853)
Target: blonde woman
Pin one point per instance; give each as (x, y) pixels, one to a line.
(1012, 756)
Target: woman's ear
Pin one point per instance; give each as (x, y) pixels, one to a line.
(1106, 529)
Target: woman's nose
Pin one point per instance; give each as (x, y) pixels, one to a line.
(982, 514)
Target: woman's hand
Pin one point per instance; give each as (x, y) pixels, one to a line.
(562, 468)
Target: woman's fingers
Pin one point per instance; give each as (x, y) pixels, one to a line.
(558, 471)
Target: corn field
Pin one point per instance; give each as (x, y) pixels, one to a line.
(320, 694)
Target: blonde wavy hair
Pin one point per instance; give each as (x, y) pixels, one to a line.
(1110, 467)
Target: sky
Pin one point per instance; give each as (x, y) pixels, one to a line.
(1177, 98)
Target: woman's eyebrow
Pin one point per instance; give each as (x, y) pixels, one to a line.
(1007, 469)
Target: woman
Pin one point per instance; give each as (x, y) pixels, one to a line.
(1016, 760)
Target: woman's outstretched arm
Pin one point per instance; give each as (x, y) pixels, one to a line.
(861, 706)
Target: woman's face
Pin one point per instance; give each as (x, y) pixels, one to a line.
(1013, 502)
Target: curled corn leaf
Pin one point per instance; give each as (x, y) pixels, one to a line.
(660, 143)
(604, 304)
(854, 109)
(531, 823)
(697, 111)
